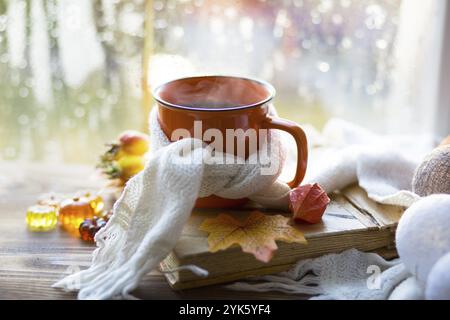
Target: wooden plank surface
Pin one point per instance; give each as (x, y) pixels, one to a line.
(31, 262)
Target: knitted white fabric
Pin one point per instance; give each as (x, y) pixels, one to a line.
(150, 214)
(383, 166)
(346, 276)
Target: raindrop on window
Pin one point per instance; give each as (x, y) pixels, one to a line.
(3, 22)
(171, 5)
(29, 82)
(315, 19)
(298, 3)
(306, 44)
(376, 17)
(79, 112)
(325, 6)
(23, 92)
(188, 10)
(282, 19)
(160, 24)
(23, 64)
(278, 32)
(101, 93)
(10, 152)
(57, 85)
(267, 71)
(67, 123)
(248, 47)
(331, 41)
(230, 12)
(41, 116)
(93, 120)
(129, 7)
(216, 25)
(323, 67)
(246, 27)
(359, 34)
(23, 119)
(198, 3)
(381, 44)
(371, 90)
(178, 31)
(216, 9)
(4, 58)
(112, 99)
(337, 19)
(84, 98)
(346, 43)
(158, 5)
(346, 3)
(279, 61)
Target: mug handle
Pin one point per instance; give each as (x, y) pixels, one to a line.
(302, 146)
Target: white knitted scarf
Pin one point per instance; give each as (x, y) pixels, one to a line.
(149, 216)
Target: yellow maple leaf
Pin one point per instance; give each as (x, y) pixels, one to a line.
(256, 234)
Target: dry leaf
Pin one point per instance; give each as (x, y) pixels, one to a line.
(308, 203)
(256, 234)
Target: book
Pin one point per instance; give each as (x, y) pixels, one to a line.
(351, 220)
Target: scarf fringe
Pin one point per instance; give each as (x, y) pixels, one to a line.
(109, 241)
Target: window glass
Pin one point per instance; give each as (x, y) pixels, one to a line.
(71, 70)
(325, 58)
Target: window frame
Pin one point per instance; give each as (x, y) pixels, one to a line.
(442, 114)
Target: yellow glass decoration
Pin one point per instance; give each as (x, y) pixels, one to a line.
(51, 202)
(41, 218)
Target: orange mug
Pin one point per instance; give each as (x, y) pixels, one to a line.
(224, 102)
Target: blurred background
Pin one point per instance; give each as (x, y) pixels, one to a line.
(75, 73)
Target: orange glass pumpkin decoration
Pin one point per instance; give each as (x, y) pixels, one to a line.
(96, 202)
(73, 211)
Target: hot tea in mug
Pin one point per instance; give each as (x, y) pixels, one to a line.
(224, 103)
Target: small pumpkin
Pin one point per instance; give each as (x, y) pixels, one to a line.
(96, 202)
(73, 212)
(41, 217)
(432, 176)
